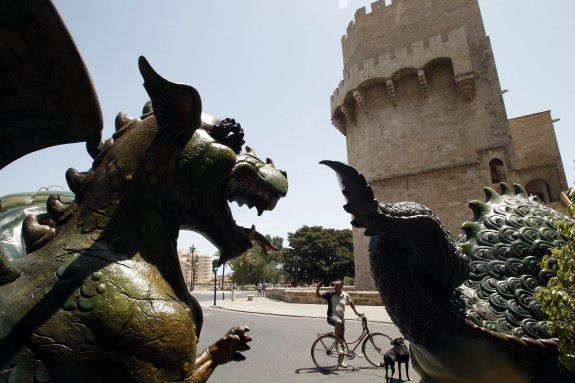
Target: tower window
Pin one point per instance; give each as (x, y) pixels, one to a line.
(497, 171)
(539, 188)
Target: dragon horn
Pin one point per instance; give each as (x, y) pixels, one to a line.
(359, 195)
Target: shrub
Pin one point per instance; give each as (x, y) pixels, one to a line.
(558, 297)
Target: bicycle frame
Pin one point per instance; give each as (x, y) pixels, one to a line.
(364, 333)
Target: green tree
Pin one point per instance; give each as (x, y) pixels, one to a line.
(558, 297)
(269, 269)
(318, 254)
(255, 265)
(274, 255)
(244, 266)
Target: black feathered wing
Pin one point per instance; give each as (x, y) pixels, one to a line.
(361, 202)
(46, 95)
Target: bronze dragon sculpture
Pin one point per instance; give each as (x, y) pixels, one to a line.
(466, 305)
(98, 294)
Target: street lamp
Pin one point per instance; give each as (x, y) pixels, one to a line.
(296, 268)
(192, 264)
(215, 261)
(296, 272)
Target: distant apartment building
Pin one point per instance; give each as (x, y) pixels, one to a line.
(196, 268)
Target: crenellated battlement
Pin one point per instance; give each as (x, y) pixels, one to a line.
(402, 22)
(452, 45)
(361, 16)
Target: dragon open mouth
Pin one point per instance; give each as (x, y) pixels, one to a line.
(258, 185)
(244, 190)
(228, 175)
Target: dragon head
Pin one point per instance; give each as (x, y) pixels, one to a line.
(211, 170)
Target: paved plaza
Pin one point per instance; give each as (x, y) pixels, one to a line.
(263, 305)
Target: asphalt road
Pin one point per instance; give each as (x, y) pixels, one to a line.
(280, 350)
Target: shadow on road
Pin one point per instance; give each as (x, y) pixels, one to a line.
(367, 371)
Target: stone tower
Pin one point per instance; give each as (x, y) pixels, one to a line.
(421, 107)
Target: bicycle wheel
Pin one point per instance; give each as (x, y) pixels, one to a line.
(324, 353)
(374, 346)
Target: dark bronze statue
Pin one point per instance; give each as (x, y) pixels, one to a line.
(96, 294)
(466, 305)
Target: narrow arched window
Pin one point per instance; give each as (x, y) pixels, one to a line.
(539, 188)
(497, 171)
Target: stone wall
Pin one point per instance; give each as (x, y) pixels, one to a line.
(297, 295)
(540, 168)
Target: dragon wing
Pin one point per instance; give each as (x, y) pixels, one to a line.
(46, 95)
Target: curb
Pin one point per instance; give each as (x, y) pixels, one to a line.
(285, 315)
(264, 313)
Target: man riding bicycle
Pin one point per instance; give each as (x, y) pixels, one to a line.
(336, 301)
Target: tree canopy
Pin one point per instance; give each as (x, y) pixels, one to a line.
(319, 254)
(315, 254)
(255, 265)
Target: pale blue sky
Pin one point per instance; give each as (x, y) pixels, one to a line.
(273, 65)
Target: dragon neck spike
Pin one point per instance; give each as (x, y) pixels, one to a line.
(356, 223)
(8, 273)
(490, 194)
(520, 191)
(76, 179)
(479, 208)
(93, 143)
(55, 207)
(122, 119)
(147, 108)
(34, 234)
(348, 209)
(470, 229)
(505, 189)
(250, 151)
(467, 247)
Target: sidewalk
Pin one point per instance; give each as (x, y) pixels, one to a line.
(262, 305)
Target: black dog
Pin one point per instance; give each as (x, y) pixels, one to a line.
(400, 354)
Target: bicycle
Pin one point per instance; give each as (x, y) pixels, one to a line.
(325, 354)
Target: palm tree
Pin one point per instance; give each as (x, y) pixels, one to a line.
(245, 264)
